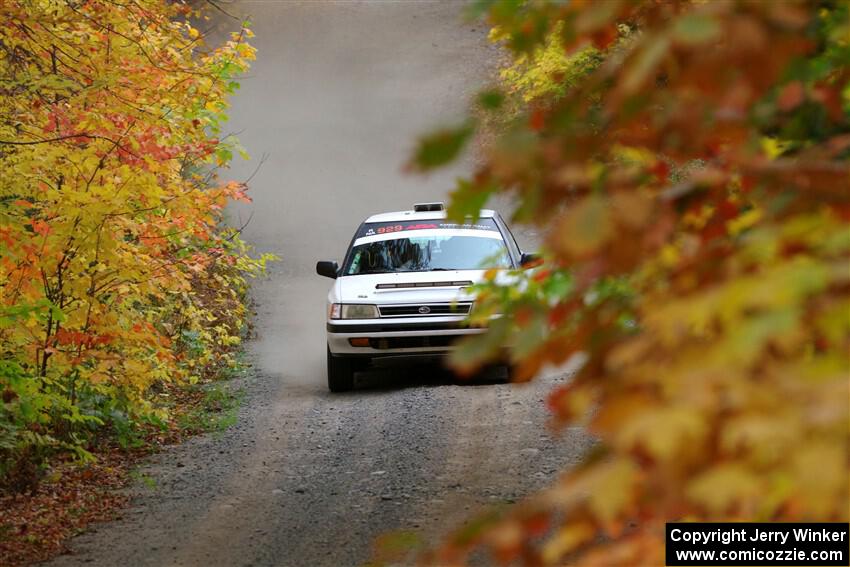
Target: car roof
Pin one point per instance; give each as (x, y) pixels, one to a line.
(416, 215)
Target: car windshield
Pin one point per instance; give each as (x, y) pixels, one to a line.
(427, 253)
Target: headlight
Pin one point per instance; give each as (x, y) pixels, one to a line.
(352, 311)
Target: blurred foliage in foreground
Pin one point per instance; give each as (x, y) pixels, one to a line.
(116, 274)
(713, 300)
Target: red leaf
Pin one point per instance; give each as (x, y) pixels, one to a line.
(661, 171)
(791, 96)
(537, 120)
(727, 210)
(541, 275)
(537, 525)
(40, 227)
(603, 38)
(523, 316)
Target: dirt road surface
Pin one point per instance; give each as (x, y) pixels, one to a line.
(306, 478)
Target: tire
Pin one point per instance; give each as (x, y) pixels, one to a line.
(497, 373)
(340, 373)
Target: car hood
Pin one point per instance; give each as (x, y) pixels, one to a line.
(408, 287)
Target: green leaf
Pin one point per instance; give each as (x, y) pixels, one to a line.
(499, 11)
(479, 8)
(468, 199)
(473, 350)
(441, 147)
(529, 337)
(491, 99)
(558, 285)
(693, 29)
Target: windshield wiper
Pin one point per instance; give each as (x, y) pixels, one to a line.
(441, 270)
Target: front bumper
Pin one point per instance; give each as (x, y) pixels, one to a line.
(397, 337)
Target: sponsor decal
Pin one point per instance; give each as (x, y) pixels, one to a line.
(391, 227)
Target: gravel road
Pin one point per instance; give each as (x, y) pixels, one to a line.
(306, 478)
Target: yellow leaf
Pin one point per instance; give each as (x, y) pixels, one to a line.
(663, 432)
(724, 487)
(633, 208)
(820, 471)
(746, 220)
(584, 228)
(565, 540)
(612, 490)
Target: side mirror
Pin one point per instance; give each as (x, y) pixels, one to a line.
(327, 269)
(529, 260)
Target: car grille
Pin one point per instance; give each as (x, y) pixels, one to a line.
(462, 283)
(424, 310)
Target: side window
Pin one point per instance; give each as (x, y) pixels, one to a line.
(347, 261)
(509, 239)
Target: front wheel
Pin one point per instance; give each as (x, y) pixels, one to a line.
(340, 373)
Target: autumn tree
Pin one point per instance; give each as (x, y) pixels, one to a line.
(693, 186)
(116, 273)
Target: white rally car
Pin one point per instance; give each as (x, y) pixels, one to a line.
(402, 289)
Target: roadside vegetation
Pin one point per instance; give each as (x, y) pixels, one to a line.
(122, 290)
(689, 166)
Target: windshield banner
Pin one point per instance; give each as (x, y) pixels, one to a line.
(375, 228)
